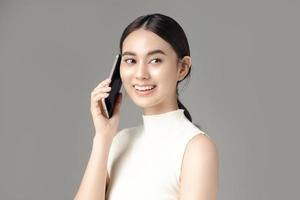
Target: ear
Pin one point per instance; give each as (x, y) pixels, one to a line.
(184, 67)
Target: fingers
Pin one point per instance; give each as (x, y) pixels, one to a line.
(100, 92)
(104, 83)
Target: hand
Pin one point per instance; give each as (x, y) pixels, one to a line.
(104, 126)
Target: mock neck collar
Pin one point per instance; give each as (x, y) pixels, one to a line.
(164, 123)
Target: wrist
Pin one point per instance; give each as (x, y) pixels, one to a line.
(100, 140)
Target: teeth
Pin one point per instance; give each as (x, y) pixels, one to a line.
(143, 88)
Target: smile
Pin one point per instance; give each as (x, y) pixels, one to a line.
(144, 90)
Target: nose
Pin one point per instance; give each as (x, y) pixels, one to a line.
(142, 72)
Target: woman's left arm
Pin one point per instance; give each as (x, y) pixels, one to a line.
(199, 178)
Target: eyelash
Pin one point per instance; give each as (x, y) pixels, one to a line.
(158, 59)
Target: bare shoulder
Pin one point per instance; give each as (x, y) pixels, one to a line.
(202, 144)
(199, 172)
(200, 149)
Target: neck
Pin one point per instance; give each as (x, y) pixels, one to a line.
(163, 123)
(160, 109)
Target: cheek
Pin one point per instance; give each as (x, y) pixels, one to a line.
(126, 76)
(168, 85)
(166, 77)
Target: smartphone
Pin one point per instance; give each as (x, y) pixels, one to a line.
(109, 102)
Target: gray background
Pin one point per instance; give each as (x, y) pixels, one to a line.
(244, 90)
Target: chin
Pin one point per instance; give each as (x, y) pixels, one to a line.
(144, 102)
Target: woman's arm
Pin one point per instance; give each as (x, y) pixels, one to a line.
(200, 170)
(94, 182)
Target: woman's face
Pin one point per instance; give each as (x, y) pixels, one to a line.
(149, 72)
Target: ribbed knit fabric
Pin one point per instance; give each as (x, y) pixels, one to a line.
(145, 161)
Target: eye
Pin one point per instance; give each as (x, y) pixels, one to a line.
(157, 59)
(129, 59)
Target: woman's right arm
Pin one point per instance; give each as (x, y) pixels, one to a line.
(95, 180)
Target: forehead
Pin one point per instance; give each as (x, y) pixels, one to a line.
(142, 41)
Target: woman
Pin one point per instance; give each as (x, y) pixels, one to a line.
(167, 157)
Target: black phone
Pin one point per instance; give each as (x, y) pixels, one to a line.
(109, 102)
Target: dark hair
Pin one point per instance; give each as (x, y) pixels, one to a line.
(169, 30)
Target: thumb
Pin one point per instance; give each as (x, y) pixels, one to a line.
(117, 108)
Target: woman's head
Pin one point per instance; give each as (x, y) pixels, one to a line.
(155, 53)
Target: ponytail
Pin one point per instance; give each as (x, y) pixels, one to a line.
(186, 112)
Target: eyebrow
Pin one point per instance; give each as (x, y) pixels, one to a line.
(148, 54)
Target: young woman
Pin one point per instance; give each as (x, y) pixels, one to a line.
(167, 157)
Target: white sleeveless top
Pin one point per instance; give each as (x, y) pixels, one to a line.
(144, 162)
